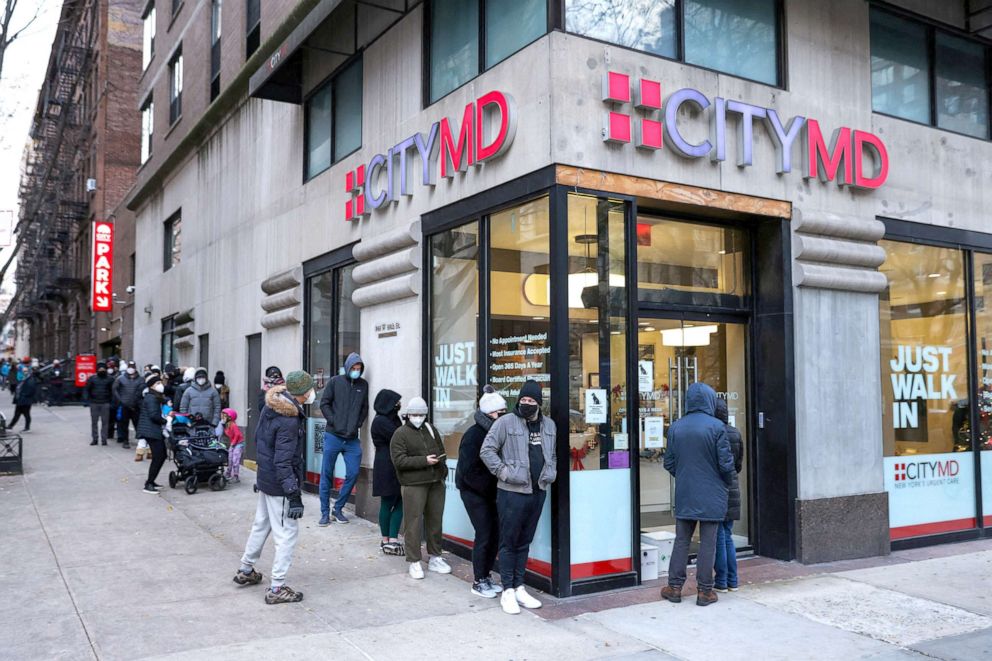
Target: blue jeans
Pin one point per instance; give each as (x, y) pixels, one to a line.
(726, 556)
(352, 451)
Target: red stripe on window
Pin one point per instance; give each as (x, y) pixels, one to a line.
(601, 568)
(932, 528)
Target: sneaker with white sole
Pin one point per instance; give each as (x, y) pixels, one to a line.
(508, 601)
(483, 589)
(497, 588)
(526, 600)
(416, 570)
(438, 564)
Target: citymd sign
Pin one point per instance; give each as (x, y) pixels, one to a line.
(103, 267)
(487, 128)
(654, 124)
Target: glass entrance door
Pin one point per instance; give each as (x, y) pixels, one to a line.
(672, 354)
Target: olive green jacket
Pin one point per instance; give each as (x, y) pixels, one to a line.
(409, 448)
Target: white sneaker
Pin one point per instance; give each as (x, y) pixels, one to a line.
(508, 600)
(416, 570)
(525, 599)
(437, 564)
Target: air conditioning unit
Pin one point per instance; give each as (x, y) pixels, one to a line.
(90, 185)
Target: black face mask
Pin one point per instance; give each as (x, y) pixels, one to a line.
(102, 372)
(528, 410)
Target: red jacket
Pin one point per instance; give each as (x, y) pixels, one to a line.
(233, 433)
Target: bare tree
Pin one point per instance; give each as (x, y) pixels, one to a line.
(9, 34)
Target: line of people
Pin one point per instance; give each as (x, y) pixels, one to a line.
(506, 464)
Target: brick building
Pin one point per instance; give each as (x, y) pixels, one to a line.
(84, 150)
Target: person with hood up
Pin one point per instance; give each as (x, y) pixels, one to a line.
(385, 485)
(477, 487)
(698, 457)
(24, 398)
(281, 439)
(417, 451)
(98, 393)
(345, 405)
(520, 451)
(202, 398)
(220, 383)
(128, 389)
(726, 552)
(151, 424)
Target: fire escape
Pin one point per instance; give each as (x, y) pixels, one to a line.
(51, 275)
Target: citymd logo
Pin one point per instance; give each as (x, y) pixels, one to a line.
(655, 125)
(900, 472)
(926, 470)
(488, 126)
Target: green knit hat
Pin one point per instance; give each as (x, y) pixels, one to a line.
(299, 383)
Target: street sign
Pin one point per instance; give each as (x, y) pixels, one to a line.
(85, 368)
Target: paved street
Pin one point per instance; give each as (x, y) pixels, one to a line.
(95, 569)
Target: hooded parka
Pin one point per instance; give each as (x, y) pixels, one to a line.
(384, 425)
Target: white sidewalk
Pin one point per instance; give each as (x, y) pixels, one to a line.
(92, 568)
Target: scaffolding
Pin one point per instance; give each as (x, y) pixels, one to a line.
(54, 201)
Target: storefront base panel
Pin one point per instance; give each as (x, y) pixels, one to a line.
(842, 528)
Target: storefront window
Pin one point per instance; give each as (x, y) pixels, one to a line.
(691, 264)
(599, 449)
(739, 38)
(983, 396)
(647, 25)
(926, 430)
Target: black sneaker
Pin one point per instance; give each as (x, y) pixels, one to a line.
(338, 517)
(102, 443)
(92, 442)
(251, 578)
(126, 446)
(284, 595)
(150, 488)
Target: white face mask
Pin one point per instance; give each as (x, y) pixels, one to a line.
(201, 381)
(159, 388)
(132, 371)
(110, 370)
(311, 397)
(417, 420)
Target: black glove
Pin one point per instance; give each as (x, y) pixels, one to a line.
(295, 506)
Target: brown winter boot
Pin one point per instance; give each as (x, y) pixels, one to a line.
(706, 598)
(671, 594)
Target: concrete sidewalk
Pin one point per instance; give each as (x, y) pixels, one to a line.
(92, 568)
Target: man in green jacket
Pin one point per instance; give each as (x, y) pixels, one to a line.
(418, 454)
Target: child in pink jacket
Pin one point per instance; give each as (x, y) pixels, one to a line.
(236, 440)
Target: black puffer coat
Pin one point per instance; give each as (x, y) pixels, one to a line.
(385, 424)
(280, 440)
(737, 449)
(471, 474)
(151, 422)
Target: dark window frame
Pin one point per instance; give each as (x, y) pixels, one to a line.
(253, 31)
(325, 84)
(932, 28)
(168, 329)
(168, 245)
(216, 11)
(176, 95)
(148, 104)
(149, 8)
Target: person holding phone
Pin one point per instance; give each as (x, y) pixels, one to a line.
(417, 451)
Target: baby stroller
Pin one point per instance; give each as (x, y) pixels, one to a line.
(198, 455)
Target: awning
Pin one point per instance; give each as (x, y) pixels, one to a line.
(333, 27)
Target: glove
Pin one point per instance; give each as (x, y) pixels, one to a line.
(295, 506)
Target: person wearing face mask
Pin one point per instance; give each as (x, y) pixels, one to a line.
(97, 395)
(280, 440)
(385, 486)
(150, 426)
(345, 405)
(127, 389)
(202, 398)
(273, 377)
(417, 451)
(114, 404)
(477, 487)
(520, 451)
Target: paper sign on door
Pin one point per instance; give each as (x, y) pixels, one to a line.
(645, 375)
(654, 432)
(620, 441)
(596, 406)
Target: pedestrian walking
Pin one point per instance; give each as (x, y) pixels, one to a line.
(24, 398)
(97, 395)
(280, 444)
(345, 405)
(477, 487)
(56, 384)
(726, 553)
(236, 441)
(698, 457)
(151, 426)
(417, 451)
(201, 398)
(385, 484)
(128, 389)
(520, 451)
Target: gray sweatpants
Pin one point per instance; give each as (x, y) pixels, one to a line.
(271, 516)
(99, 422)
(684, 528)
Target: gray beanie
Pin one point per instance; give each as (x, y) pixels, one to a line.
(417, 406)
(492, 402)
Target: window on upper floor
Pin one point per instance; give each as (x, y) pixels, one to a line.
(334, 119)
(928, 75)
(469, 36)
(147, 128)
(172, 243)
(738, 38)
(253, 26)
(148, 36)
(176, 86)
(215, 16)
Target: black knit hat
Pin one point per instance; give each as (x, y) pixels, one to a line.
(532, 389)
(152, 380)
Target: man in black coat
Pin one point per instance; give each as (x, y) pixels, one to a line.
(56, 384)
(477, 487)
(345, 405)
(24, 398)
(280, 440)
(385, 484)
(98, 393)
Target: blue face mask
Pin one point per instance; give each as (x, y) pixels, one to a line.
(354, 374)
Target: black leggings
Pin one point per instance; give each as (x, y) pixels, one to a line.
(158, 458)
(18, 412)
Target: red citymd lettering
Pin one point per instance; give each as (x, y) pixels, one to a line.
(457, 156)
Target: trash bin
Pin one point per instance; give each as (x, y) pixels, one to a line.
(10, 454)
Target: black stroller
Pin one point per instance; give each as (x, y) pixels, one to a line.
(199, 456)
